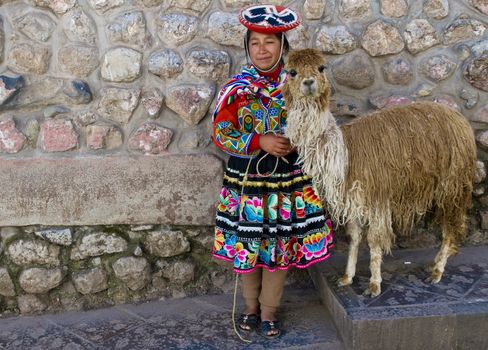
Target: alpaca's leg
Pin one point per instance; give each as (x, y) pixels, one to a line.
(453, 200)
(448, 247)
(380, 236)
(376, 256)
(353, 230)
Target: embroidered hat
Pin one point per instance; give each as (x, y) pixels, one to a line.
(269, 19)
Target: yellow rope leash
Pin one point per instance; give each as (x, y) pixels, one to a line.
(244, 180)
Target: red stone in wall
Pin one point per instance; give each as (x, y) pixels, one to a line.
(58, 135)
(11, 139)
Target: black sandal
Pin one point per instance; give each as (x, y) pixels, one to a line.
(248, 322)
(270, 326)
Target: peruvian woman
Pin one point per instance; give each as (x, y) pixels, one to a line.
(269, 216)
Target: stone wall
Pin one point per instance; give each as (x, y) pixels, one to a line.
(108, 173)
(86, 267)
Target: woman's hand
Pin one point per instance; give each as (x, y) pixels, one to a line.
(276, 145)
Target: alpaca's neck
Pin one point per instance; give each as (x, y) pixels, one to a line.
(322, 150)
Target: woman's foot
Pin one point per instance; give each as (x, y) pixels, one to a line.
(249, 319)
(270, 327)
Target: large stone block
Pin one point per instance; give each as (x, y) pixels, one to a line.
(335, 39)
(58, 135)
(118, 104)
(11, 139)
(462, 29)
(129, 28)
(437, 9)
(354, 71)
(152, 101)
(381, 38)
(103, 136)
(58, 6)
(98, 244)
(78, 60)
(90, 190)
(38, 26)
(190, 102)
(105, 5)
(476, 72)
(58, 236)
(398, 71)
(121, 65)
(150, 138)
(224, 28)
(178, 272)
(209, 64)
(90, 281)
(79, 27)
(165, 63)
(420, 35)
(355, 9)
(38, 280)
(30, 304)
(27, 252)
(394, 8)
(29, 58)
(134, 272)
(177, 28)
(313, 9)
(438, 67)
(167, 243)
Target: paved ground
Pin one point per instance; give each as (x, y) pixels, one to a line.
(190, 323)
(411, 313)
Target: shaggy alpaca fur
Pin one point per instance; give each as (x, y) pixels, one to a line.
(382, 171)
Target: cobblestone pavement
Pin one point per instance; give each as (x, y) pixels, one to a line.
(190, 323)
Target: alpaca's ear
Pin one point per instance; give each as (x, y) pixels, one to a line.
(323, 67)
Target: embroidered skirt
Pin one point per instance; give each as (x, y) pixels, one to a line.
(274, 221)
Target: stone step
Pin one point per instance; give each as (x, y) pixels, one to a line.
(410, 313)
(196, 323)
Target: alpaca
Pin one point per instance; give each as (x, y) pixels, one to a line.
(382, 171)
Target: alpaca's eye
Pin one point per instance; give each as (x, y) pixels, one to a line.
(293, 73)
(322, 68)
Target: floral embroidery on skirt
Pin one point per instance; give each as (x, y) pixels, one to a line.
(275, 222)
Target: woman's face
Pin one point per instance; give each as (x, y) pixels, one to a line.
(264, 50)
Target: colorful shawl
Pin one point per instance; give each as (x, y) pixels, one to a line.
(249, 82)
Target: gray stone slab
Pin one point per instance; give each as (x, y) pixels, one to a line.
(471, 330)
(38, 333)
(172, 189)
(202, 322)
(410, 313)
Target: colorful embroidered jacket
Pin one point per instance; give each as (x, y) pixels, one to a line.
(249, 106)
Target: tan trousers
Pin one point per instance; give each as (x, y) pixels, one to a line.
(263, 289)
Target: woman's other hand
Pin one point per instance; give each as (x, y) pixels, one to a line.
(276, 145)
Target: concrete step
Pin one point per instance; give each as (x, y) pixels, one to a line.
(191, 323)
(410, 313)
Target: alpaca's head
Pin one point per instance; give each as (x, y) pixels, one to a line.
(307, 81)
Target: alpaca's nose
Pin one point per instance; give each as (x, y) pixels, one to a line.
(308, 82)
